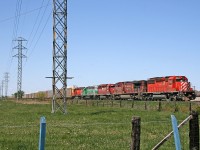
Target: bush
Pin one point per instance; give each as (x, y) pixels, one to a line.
(41, 95)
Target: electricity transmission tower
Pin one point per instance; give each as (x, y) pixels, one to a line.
(59, 79)
(2, 86)
(0, 91)
(20, 55)
(6, 83)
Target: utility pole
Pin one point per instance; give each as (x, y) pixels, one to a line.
(6, 84)
(2, 86)
(59, 79)
(20, 55)
(0, 91)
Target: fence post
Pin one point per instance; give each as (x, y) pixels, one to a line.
(176, 133)
(194, 131)
(159, 105)
(132, 103)
(145, 105)
(135, 135)
(112, 102)
(190, 106)
(42, 133)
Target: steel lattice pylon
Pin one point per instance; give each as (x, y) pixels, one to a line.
(20, 55)
(0, 92)
(2, 86)
(59, 81)
(6, 83)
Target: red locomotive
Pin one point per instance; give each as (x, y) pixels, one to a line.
(129, 89)
(105, 91)
(170, 87)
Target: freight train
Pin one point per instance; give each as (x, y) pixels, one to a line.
(157, 88)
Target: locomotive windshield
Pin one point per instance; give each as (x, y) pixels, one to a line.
(181, 79)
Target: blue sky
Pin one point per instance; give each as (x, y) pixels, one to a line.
(108, 41)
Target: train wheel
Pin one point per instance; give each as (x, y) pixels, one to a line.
(192, 97)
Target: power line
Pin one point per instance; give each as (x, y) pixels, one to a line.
(35, 22)
(15, 29)
(24, 18)
(17, 17)
(10, 58)
(41, 33)
(41, 19)
(32, 50)
(22, 14)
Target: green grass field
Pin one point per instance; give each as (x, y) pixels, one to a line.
(88, 127)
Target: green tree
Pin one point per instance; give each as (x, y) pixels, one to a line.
(19, 94)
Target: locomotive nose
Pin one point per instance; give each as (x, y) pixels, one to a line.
(185, 86)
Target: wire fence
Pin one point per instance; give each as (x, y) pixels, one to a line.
(189, 135)
(172, 106)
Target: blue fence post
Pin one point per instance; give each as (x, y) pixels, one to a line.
(42, 133)
(176, 133)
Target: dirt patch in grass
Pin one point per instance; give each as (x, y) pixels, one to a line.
(30, 102)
